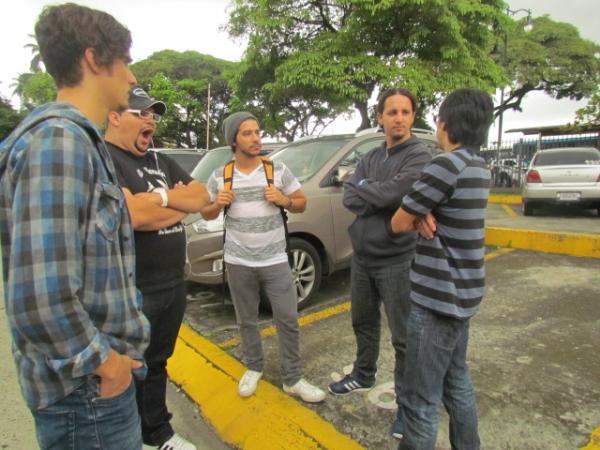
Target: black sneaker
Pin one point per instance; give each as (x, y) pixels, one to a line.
(348, 384)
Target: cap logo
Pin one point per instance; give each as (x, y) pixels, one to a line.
(139, 92)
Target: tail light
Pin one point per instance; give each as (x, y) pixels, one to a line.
(533, 176)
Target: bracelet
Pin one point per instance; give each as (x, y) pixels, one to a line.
(163, 196)
(290, 203)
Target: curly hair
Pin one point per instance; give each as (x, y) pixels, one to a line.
(64, 32)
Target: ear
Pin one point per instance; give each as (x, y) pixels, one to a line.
(114, 118)
(379, 117)
(89, 60)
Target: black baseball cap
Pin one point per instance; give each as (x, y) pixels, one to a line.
(139, 99)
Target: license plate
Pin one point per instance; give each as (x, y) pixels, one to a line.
(569, 196)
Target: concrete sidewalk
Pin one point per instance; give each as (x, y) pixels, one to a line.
(16, 427)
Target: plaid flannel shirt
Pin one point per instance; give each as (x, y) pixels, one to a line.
(68, 254)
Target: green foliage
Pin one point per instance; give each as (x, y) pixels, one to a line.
(552, 58)
(589, 116)
(181, 80)
(335, 54)
(9, 118)
(36, 89)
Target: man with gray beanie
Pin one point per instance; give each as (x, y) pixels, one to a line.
(255, 251)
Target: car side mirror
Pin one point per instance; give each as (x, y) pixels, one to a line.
(342, 174)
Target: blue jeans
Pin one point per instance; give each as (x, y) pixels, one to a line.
(83, 420)
(371, 286)
(436, 370)
(164, 310)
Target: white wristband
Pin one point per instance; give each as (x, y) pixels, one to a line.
(163, 195)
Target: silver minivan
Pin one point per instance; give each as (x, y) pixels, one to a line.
(319, 240)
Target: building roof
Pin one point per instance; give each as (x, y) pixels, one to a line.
(556, 130)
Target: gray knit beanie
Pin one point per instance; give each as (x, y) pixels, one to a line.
(232, 124)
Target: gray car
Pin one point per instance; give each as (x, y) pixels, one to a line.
(319, 240)
(562, 176)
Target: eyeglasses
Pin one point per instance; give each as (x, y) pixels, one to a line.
(145, 114)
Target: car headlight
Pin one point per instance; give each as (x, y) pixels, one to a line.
(208, 226)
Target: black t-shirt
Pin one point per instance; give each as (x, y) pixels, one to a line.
(160, 255)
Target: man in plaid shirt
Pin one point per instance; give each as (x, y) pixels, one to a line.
(67, 243)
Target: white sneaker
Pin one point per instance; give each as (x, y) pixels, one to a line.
(306, 391)
(175, 443)
(248, 383)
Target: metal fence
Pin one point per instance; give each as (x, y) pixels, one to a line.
(509, 160)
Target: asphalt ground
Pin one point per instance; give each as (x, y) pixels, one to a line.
(532, 353)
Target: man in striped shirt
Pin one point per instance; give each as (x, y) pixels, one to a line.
(447, 205)
(255, 253)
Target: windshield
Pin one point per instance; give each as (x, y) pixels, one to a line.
(213, 159)
(305, 158)
(568, 157)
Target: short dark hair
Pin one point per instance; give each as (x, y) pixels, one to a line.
(396, 91)
(468, 114)
(64, 32)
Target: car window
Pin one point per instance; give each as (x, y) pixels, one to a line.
(354, 155)
(212, 160)
(305, 158)
(187, 161)
(568, 157)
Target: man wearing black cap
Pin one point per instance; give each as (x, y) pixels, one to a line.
(255, 253)
(159, 195)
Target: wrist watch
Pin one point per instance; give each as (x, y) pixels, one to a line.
(163, 195)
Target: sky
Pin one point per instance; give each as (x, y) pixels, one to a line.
(197, 25)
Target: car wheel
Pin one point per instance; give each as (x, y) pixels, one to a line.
(527, 208)
(306, 270)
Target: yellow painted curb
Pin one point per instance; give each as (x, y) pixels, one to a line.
(594, 443)
(507, 199)
(575, 244)
(268, 420)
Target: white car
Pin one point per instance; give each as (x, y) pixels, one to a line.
(565, 176)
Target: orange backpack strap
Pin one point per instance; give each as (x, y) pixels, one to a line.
(228, 175)
(268, 166)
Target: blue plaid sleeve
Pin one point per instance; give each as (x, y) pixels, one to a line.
(53, 189)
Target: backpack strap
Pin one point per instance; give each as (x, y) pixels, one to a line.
(269, 175)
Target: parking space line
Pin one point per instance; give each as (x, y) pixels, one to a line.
(302, 321)
(507, 199)
(574, 244)
(594, 443)
(508, 210)
(268, 420)
(328, 312)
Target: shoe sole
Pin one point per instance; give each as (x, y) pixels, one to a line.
(350, 392)
(398, 435)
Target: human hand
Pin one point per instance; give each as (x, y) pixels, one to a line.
(224, 198)
(115, 374)
(274, 195)
(426, 226)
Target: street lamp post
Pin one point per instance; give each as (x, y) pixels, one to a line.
(528, 27)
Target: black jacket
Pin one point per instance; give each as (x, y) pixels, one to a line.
(375, 192)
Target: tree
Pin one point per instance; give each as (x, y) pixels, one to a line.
(181, 80)
(589, 116)
(34, 89)
(9, 118)
(552, 58)
(342, 51)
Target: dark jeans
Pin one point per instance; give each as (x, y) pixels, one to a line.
(370, 287)
(84, 420)
(436, 370)
(164, 310)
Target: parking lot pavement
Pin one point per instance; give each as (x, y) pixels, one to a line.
(533, 356)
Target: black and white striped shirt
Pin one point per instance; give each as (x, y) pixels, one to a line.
(447, 275)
